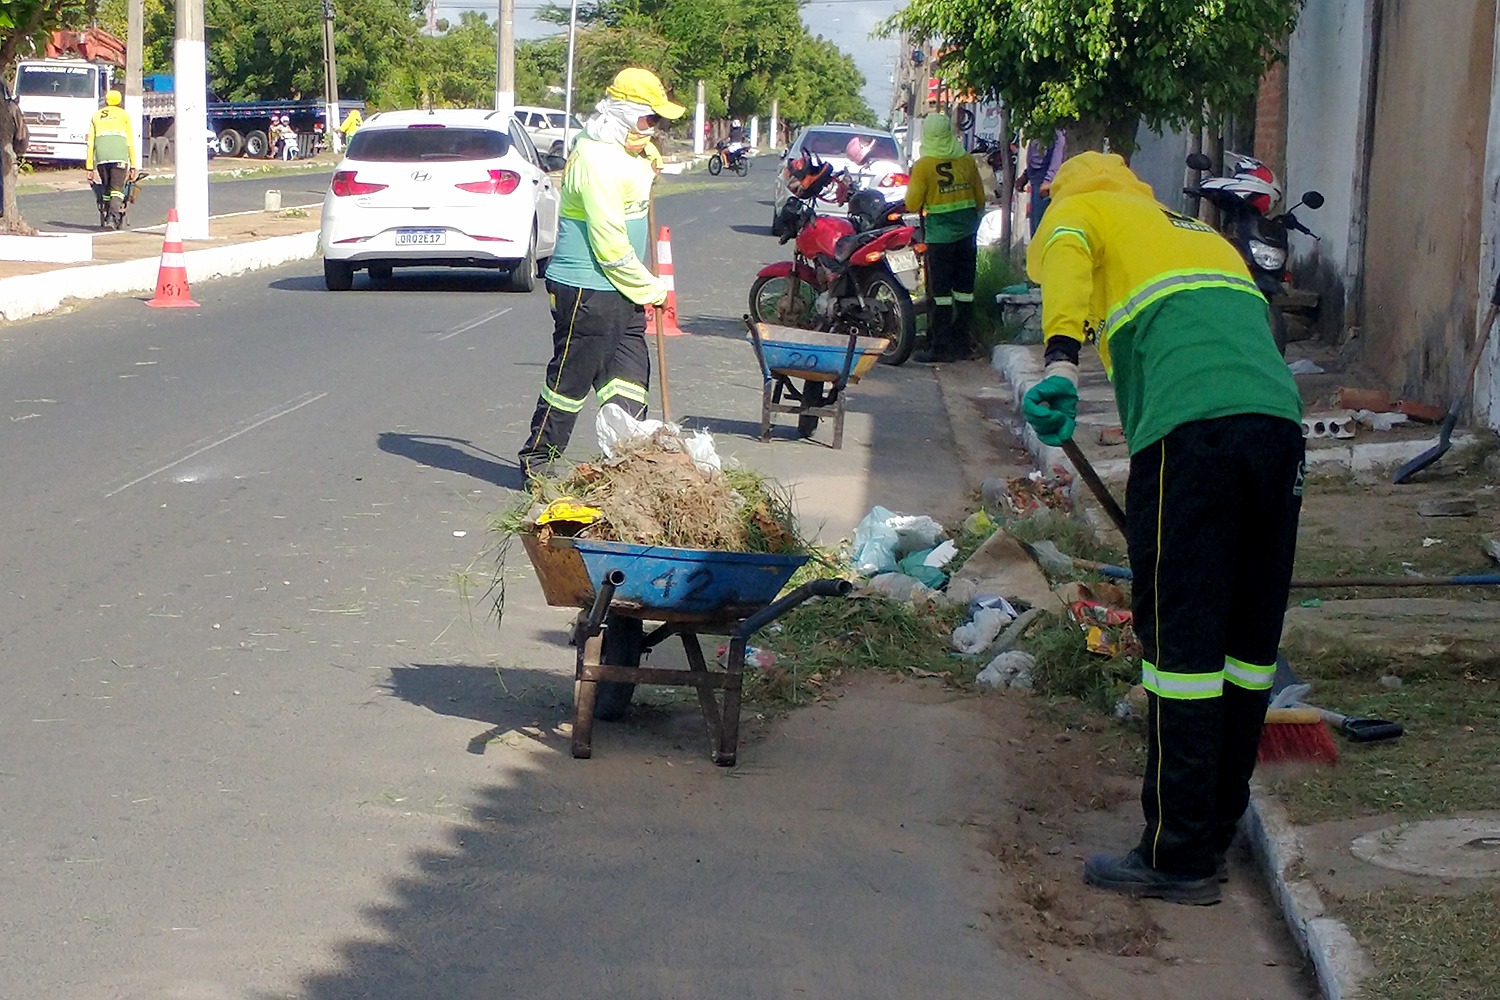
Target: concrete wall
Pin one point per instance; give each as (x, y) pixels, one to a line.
(1325, 114)
(1159, 162)
(1426, 186)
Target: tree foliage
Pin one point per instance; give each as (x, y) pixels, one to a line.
(1112, 63)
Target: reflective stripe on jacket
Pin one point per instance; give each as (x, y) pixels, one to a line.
(111, 139)
(951, 192)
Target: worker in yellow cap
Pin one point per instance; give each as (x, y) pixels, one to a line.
(596, 281)
(112, 150)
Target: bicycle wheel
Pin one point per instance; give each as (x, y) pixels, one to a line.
(715, 164)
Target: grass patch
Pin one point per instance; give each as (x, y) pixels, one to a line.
(825, 640)
(1444, 764)
(1426, 946)
(994, 270)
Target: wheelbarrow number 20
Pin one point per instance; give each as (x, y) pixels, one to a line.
(695, 582)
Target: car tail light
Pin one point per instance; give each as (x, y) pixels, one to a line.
(895, 180)
(498, 182)
(346, 184)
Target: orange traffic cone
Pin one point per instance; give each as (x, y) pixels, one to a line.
(171, 276)
(669, 327)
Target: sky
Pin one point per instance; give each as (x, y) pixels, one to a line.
(846, 23)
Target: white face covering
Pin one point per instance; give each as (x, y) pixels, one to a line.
(615, 120)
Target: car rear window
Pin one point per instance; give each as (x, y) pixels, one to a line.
(426, 143)
(834, 144)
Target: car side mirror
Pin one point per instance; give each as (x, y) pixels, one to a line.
(553, 163)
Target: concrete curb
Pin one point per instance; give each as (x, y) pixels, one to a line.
(27, 295)
(1338, 962)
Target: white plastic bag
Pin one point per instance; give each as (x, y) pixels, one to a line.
(618, 432)
(976, 636)
(875, 543)
(899, 587)
(1010, 669)
(990, 227)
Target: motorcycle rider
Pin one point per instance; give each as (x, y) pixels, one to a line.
(597, 284)
(1213, 422)
(111, 148)
(946, 187)
(737, 144)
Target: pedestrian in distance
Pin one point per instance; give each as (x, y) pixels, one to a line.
(111, 149)
(1212, 418)
(1041, 166)
(947, 189)
(597, 285)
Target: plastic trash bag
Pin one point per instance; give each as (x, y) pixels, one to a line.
(1010, 669)
(882, 538)
(618, 432)
(976, 636)
(990, 228)
(898, 587)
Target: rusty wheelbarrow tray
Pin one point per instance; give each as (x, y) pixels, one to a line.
(689, 593)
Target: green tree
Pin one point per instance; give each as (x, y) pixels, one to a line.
(1108, 64)
(24, 26)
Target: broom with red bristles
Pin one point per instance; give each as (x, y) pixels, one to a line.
(1294, 732)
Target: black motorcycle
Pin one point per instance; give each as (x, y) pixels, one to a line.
(1243, 197)
(735, 157)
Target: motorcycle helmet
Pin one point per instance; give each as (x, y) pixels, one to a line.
(858, 149)
(1252, 181)
(867, 209)
(807, 176)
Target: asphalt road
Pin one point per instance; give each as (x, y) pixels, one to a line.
(74, 211)
(255, 742)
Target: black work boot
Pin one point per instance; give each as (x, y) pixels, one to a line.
(1131, 876)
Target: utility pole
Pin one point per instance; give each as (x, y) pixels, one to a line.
(330, 80)
(698, 122)
(505, 61)
(568, 97)
(189, 98)
(135, 17)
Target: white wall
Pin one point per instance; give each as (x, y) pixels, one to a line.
(1325, 114)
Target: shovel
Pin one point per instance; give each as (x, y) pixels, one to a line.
(1437, 451)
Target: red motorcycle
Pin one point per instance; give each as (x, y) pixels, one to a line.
(838, 280)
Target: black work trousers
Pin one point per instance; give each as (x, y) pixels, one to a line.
(113, 177)
(1211, 526)
(598, 345)
(950, 287)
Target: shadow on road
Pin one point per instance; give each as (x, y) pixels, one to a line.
(716, 326)
(443, 453)
(752, 230)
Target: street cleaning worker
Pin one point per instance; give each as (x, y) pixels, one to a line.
(1213, 421)
(946, 187)
(597, 284)
(111, 148)
(350, 125)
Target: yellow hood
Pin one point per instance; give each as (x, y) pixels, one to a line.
(1092, 171)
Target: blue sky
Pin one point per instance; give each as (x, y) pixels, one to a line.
(846, 23)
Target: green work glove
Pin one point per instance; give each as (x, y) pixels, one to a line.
(1051, 408)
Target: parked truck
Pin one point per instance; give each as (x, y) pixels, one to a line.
(58, 97)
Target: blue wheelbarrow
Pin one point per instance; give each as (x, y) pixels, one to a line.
(115, 220)
(690, 593)
(826, 364)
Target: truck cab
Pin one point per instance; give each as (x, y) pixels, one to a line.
(58, 97)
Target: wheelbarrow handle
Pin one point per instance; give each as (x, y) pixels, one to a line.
(612, 581)
(829, 587)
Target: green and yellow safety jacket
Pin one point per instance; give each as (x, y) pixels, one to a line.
(1182, 330)
(601, 240)
(951, 192)
(111, 139)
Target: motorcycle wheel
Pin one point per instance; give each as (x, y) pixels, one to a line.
(715, 164)
(897, 316)
(771, 302)
(623, 641)
(812, 395)
(742, 166)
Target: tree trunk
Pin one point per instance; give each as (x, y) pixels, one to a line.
(1118, 135)
(10, 179)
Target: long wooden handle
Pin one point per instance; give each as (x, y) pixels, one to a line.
(661, 336)
(1095, 484)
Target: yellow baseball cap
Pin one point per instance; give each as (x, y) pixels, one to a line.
(643, 87)
(113, 97)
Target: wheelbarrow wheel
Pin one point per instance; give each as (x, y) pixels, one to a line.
(812, 395)
(623, 642)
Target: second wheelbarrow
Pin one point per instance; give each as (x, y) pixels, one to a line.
(825, 363)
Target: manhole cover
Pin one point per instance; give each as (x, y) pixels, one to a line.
(1468, 847)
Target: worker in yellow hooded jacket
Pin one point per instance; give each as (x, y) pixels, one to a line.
(1212, 419)
(946, 188)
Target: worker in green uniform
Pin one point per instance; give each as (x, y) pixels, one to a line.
(946, 188)
(1212, 418)
(596, 282)
(112, 150)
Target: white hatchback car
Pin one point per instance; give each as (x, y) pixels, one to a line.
(443, 188)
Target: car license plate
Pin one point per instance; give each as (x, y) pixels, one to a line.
(902, 260)
(421, 237)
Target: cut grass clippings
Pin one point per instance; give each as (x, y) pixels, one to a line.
(1427, 947)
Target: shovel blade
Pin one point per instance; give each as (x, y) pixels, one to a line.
(1429, 456)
